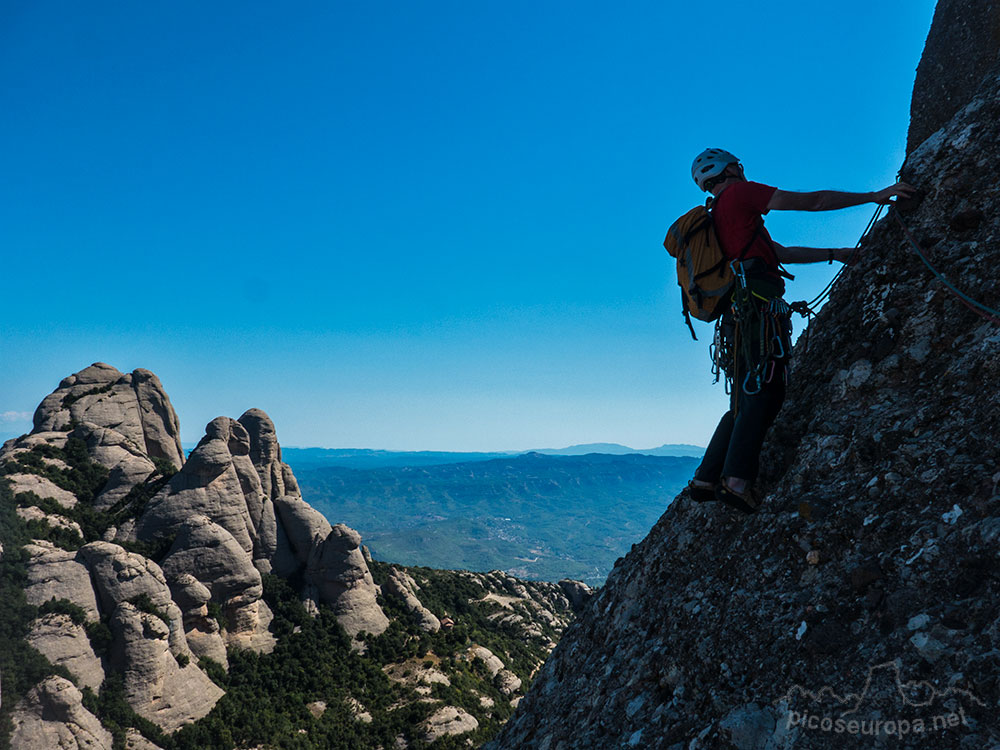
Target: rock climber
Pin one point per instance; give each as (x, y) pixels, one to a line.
(753, 342)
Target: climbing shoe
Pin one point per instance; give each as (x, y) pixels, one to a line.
(701, 494)
(745, 502)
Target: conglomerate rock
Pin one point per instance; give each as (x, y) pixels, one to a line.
(52, 717)
(337, 571)
(865, 590)
(402, 586)
(961, 49)
(65, 643)
(128, 463)
(276, 478)
(55, 573)
(203, 632)
(218, 481)
(156, 685)
(134, 405)
(225, 568)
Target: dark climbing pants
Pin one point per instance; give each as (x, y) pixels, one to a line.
(734, 450)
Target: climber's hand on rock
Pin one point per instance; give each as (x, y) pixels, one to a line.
(847, 255)
(899, 190)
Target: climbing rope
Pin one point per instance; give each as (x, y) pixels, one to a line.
(821, 297)
(748, 348)
(734, 347)
(808, 309)
(983, 311)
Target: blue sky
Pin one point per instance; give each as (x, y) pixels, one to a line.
(426, 225)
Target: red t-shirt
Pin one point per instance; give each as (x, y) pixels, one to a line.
(737, 212)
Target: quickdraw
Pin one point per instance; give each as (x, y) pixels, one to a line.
(748, 346)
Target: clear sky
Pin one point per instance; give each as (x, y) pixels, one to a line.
(413, 225)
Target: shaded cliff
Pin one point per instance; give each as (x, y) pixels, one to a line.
(862, 600)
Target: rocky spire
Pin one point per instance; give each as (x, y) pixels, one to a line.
(134, 405)
(961, 50)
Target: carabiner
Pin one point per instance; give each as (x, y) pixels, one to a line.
(739, 274)
(781, 345)
(749, 392)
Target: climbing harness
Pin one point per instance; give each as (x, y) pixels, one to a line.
(754, 339)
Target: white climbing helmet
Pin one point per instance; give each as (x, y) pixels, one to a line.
(711, 163)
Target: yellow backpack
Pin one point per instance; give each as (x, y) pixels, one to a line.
(703, 270)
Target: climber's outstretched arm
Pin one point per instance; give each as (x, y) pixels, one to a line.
(812, 254)
(831, 200)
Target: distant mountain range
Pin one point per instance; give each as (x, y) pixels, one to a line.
(536, 516)
(366, 458)
(615, 449)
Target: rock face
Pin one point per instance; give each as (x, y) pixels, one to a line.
(276, 477)
(305, 527)
(339, 575)
(402, 586)
(219, 482)
(234, 511)
(149, 638)
(64, 643)
(52, 716)
(228, 575)
(134, 405)
(55, 573)
(156, 685)
(448, 720)
(961, 50)
(127, 462)
(203, 632)
(868, 575)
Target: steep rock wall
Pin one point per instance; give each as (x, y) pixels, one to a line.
(866, 589)
(961, 50)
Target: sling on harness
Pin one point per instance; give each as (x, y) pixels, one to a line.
(754, 340)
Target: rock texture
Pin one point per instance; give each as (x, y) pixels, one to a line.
(865, 589)
(52, 716)
(219, 482)
(64, 643)
(156, 685)
(961, 50)
(305, 527)
(127, 462)
(120, 576)
(228, 574)
(55, 573)
(134, 405)
(42, 487)
(234, 510)
(203, 632)
(149, 638)
(402, 586)
(340, 577)
(448, 720)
